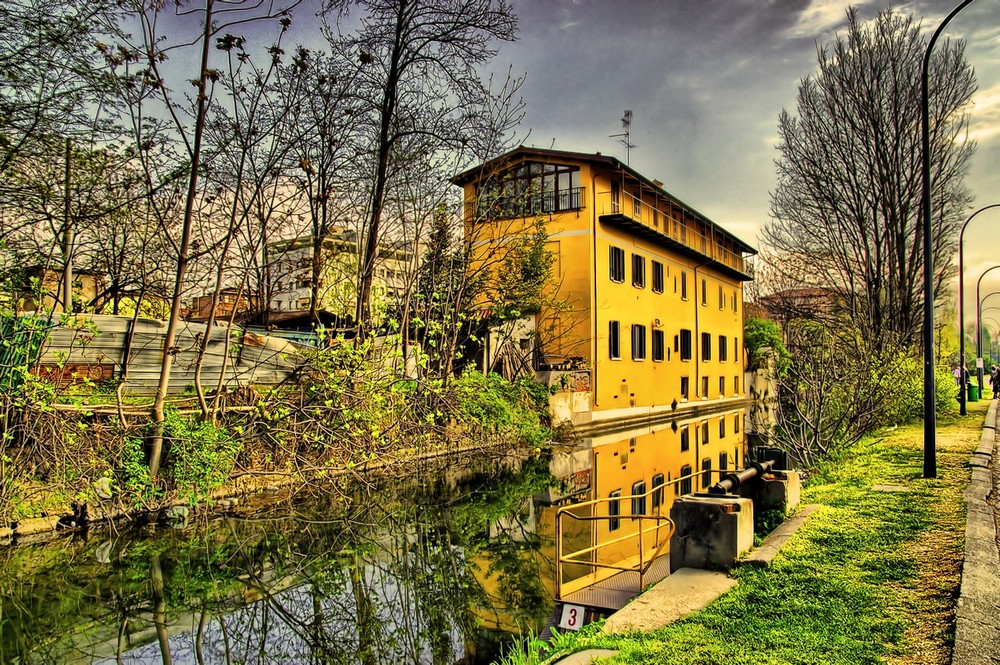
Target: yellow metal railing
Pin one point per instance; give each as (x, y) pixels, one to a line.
(676, 229)
(661, 529)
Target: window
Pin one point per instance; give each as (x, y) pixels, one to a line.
(736, 424)
(722, 386)
(736, 348)
(638, 271)
(734, 300)
(614, 510)
(531, 188)
(685, 438)
(706, 346)
(658, 345)
(723, 348)
(736, 385)
(722, 298)
(614, 341)
(684, 285)
(685, 388)
(685, 484)
(704, 387)
(723, 461)
(685, 345)
(704, 432)
(617, 263)
(706, 473)
(638, 342)
(704, 292)
(657, 277)
(722, 427)
(657, 490)
(639, 498)
(637, 207)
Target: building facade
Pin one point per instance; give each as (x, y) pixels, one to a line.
(290, 264)
(650, 321)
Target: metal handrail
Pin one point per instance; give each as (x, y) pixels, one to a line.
(672, 227)
(643, 566)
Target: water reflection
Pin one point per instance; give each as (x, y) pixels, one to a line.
(441, 563)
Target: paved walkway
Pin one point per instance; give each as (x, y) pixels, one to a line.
(977, 626)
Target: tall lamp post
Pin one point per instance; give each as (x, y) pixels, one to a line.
(992, 336)
(979, 326)
(961, 304)
(930, 422)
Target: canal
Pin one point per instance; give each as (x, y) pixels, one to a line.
(440, 561)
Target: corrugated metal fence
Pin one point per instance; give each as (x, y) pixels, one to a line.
(95, 346)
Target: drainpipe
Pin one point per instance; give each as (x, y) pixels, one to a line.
(593, 297)
(697, 331)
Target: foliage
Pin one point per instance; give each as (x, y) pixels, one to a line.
(841, 386)
(495, 406)
(760, 334)
(846, 209)
(137, 486)
(201, 454)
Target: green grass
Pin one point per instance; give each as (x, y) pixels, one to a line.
(871, 577)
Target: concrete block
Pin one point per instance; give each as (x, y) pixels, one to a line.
(779, 489)
(711, 531)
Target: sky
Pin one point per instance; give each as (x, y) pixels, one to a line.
(706, 80)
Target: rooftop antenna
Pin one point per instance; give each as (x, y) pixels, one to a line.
(623, 138)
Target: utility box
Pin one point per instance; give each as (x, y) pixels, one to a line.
(711, 531)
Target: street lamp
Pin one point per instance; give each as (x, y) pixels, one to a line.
(993, 337)
(930, 451)
(961, 302)
(979, 326)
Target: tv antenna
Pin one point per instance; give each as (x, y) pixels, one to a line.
(623, 138)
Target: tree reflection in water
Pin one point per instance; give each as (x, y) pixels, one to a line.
(426, 571)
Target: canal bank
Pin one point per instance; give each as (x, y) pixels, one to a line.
(871, 576)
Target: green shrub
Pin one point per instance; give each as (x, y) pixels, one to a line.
(494, 405)
(201, 455)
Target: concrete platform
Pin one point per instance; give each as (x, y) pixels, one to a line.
(684, 592)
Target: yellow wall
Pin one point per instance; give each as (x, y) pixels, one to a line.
(590, 299)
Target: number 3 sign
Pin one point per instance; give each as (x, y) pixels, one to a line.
(572, 617)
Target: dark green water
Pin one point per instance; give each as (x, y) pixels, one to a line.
(441, 564)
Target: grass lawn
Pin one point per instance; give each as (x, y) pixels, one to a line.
(872, 577)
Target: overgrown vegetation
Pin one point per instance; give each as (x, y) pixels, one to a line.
(349, 406)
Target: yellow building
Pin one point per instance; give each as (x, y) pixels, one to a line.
(651, 325)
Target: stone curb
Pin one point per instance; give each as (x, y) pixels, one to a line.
(769, 547)
(977, 624)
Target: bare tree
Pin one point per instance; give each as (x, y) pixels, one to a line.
(416, 75)
(846, 208)
(182, 122)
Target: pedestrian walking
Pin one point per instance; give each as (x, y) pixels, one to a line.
(995, 381)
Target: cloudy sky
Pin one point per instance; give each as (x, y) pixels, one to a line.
(706, 80)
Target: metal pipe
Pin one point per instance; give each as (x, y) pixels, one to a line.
(731, 481)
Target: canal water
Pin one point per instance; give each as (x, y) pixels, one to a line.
(438, 562)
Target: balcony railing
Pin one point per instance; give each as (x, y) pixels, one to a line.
(637, 210)
(529, 205)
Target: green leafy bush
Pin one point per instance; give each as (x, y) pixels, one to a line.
(201, 455)
(494, 405)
